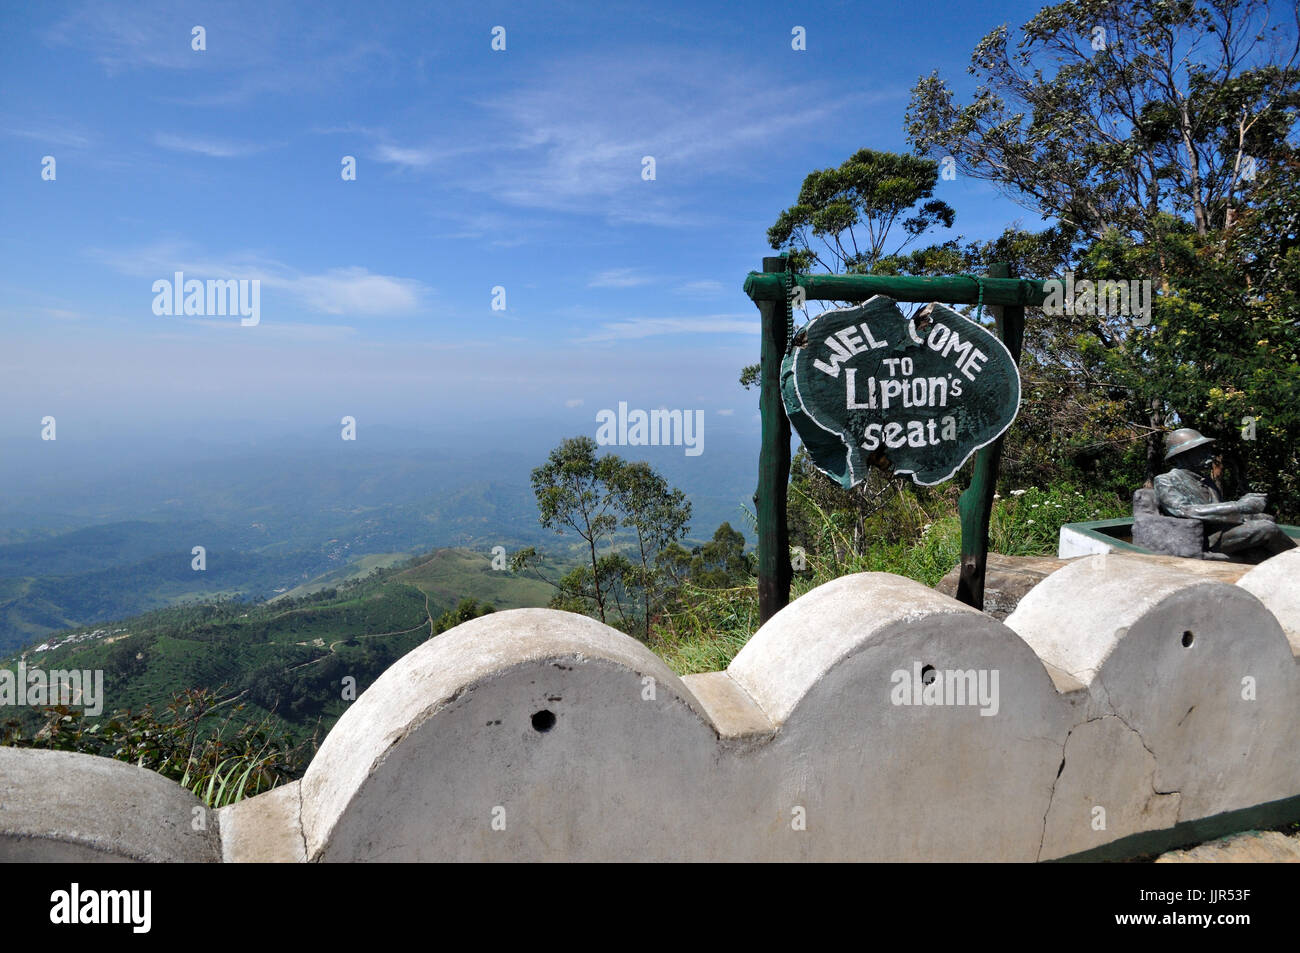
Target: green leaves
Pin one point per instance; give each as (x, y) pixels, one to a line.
(596, 497)
(1114, 110)
(1157, 134)
(851, 208)
(220, 760)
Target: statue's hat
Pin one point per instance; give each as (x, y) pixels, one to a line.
(1180, 441)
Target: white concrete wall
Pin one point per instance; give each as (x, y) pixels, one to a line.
(1197, 672)
(1276, 583)
(1072, 543)
(59, 806)
(541, 735)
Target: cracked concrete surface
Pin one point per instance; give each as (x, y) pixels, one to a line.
(1199, 675)
(1104, 754)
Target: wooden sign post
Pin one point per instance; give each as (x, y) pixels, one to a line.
(975, 505)
(865, 386)
(774, 572)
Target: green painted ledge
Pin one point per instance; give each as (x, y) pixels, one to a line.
(1111, 532)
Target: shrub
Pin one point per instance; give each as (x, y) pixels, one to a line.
(219, 761)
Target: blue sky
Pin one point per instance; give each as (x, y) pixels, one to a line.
(475, 169)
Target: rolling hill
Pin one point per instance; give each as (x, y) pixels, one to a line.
(287, 658)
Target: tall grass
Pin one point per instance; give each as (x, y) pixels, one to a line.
(712, 625)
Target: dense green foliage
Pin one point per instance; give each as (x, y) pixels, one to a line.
(910, 534)
(842, 218)
(1179, 169)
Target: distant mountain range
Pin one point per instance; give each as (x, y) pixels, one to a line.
(85, 542)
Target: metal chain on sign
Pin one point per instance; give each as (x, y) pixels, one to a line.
(789, 309)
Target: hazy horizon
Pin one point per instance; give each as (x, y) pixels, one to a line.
(476, 170)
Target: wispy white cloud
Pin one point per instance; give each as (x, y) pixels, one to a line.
(381, 145)
(652, 327)
(353, 291)
(61, 314)
(494, 228)
(619, 278)
(565, 144)
(398, 155)
(573, 144)
(216, 148)
(700, 289)
(149, 34)
(574, 402)
(253, 49)
(50, 136)
(283, 72)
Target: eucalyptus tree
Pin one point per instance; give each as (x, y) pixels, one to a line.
(659, 516)
(1123, 114)
(573, 494)
(594, 496)
(1141, 127)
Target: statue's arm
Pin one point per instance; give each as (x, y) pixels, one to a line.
(1248, 507)
(1175, 502)
(1218, 512)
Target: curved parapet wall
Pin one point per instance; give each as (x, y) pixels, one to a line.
(1185, 696)
(541, 735)
(1276, 583)
(59, 806)
(528, 734)
(872, 719)
(911, 727)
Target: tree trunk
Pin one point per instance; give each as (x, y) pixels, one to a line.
(595, 577)
(1155, 441)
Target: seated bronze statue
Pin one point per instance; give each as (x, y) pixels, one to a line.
(1238, 527)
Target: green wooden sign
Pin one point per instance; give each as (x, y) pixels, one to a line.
(866, 386)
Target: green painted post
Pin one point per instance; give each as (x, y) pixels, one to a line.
(958, 289)
(976, 504)
(774, 571)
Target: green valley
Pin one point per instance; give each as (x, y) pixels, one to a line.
(298, 659)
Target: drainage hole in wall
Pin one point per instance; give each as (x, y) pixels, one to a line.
(543, 720)
(1188, 639)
